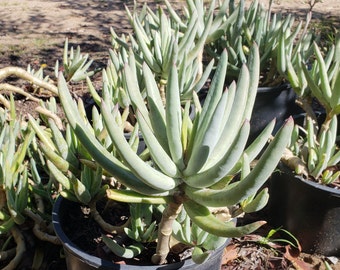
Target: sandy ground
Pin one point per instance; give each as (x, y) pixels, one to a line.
(34, 31)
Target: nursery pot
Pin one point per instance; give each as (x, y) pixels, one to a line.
(77, 259)
(310, 211)
(272, 102)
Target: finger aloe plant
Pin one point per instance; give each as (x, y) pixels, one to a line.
(279, 37)
(75, 68)
(75, 65)
(315, 153)
(195, 164)
(318, 77)
(156, 37)
(19, 191)
(195, 25)
(13, 183)
(24, 195)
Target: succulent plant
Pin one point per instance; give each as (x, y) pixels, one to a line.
(279, 39)
(25, 196)
(21, 189)
(193, 165)
(315, 154)
(13, 184)
(314, 151)
(75, 65)
(318, 77)
(75, 68)
(157, 37)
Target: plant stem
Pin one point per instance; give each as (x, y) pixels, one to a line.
(51, 115)
(269, 10)
(20, 249)
(3, 200)
(162, 85)
(326, 123)
(103, 224)
(294, 163)
(7, 254)
(23, 74)
(40, 228)
(5, 102)
(164, 232)
(18, 90)
(309, 15)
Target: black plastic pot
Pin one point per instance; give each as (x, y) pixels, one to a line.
(272, 102)
(310, 211)
(76, 259)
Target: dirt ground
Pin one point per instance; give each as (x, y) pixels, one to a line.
(33, 32)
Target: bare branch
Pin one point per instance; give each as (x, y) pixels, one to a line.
(20, 249)
(23, 74)
(18, 90)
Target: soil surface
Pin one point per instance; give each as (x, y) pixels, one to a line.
(33, 33)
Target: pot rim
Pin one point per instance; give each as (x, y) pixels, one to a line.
(68, 244)
(313, 184)
(277, 88)
(102, 263)
(316, 185)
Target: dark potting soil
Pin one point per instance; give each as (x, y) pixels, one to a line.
(85, 232)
